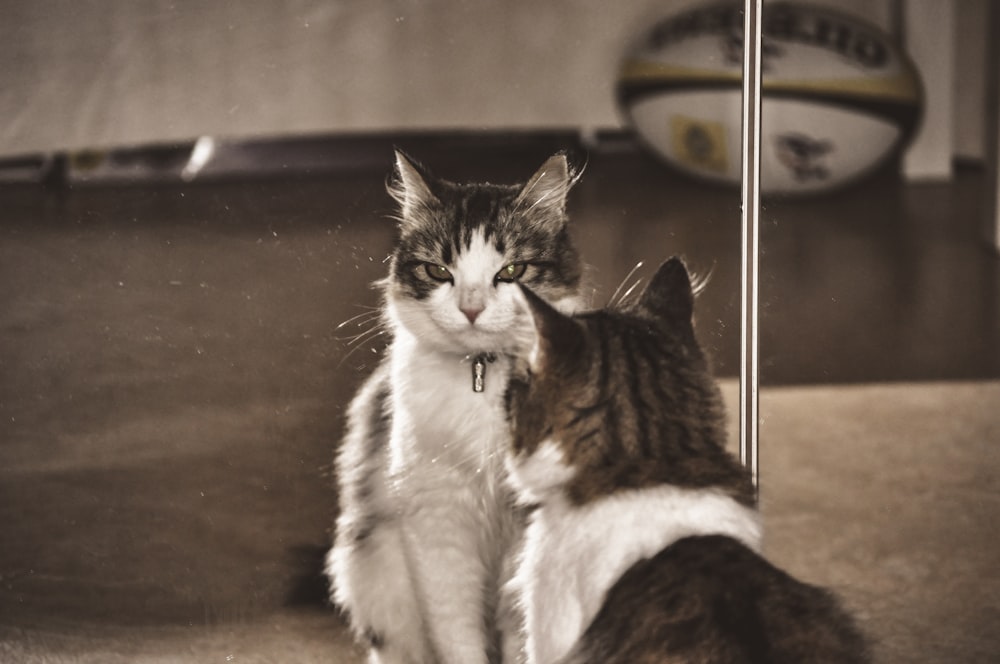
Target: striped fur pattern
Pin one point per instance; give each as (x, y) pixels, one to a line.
(427, 520)
(643, 542)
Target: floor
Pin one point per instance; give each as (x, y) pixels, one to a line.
(173, 368)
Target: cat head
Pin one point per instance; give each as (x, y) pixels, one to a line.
(463, 248)
(619, 399)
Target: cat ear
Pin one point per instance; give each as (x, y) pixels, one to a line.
(410, 188)
(669, 294)
(546, 190)
(558, 339)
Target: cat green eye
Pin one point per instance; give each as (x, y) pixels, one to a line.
(512, 272)
(437, 272)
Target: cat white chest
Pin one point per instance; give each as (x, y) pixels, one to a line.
(439, 419)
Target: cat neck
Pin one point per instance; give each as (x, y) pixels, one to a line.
(575, 553)
(435, 402)
(411, 349)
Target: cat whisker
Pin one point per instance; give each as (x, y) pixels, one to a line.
(614, 298)
(366, 325)
(576, 173)
(367, 316)
(366, 322)
(699, 282)
(360, 341)
(627, 293)
(362, 337)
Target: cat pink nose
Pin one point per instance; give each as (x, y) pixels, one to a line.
(472, 313)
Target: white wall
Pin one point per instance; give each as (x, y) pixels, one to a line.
(84, 73)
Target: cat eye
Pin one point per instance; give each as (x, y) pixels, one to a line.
(512, 272)
(437, 272)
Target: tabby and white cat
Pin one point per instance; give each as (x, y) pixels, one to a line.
(643, 546)
(426, 516)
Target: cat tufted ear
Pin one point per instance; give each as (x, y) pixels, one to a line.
(669, 294)
(546, 190)
(410, 188)
(558, 340)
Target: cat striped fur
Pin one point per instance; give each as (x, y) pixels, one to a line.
(643, 543)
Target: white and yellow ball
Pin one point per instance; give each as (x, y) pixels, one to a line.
(838, 95)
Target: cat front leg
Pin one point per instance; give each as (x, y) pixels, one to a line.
(510, 612)
(444, 541)
(374, 585)
(369, 572)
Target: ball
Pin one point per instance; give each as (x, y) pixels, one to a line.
(838, 95)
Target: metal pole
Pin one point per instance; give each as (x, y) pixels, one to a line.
(992, 222)
(749, 453)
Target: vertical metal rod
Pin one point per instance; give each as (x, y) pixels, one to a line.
(991, 224)
(749, 383)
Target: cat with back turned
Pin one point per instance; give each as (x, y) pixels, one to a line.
(427, 520)
(643, 544)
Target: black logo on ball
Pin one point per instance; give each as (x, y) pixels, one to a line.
(803, 156)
